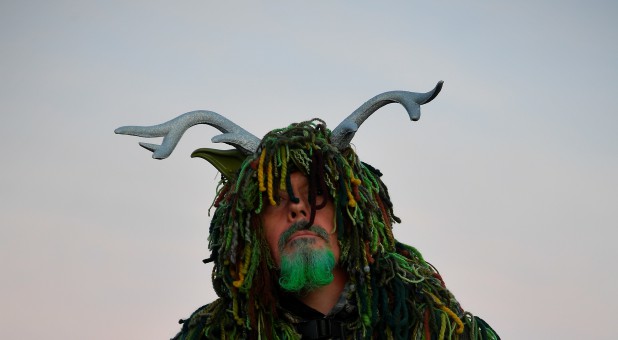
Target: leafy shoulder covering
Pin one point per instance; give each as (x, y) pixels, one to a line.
(204, 323)
(216, 321)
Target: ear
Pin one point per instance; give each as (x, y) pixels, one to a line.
(228, 162)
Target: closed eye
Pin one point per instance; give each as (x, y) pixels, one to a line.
(283, 196)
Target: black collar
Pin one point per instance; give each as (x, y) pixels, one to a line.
(312, 324)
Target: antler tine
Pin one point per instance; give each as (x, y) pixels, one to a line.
(342, 135)
(173, 130)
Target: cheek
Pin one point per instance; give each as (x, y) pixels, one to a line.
(272, 235)
(335, 247)
(274, 252)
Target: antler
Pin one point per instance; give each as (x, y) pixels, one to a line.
(342, 135)
(173, 130)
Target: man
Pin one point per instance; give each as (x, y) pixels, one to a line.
(302, 242)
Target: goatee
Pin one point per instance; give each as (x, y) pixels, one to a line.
(305, 266)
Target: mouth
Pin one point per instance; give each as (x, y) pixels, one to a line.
(301, 234)
(302, 230)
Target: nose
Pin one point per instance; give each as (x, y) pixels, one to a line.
(298, 211)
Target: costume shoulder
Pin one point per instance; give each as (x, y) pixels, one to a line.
(216, 321)
(484, 330)
(439, 313)
(207, 322)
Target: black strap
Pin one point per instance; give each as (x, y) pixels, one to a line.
(321, 329)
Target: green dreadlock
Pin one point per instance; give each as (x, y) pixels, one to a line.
(398, 294)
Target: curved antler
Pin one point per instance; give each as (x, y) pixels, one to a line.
(173, 130)
(342, 135)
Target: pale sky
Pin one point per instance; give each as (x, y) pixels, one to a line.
(506, 184)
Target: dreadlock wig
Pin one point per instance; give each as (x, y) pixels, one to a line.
(398, 294)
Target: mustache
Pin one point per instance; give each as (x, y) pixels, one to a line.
(298, 226)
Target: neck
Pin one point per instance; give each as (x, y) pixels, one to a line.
(323, 299)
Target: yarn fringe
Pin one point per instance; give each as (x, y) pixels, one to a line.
(398, 295)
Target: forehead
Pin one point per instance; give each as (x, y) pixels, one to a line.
(299, 178)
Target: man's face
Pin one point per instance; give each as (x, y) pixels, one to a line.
(278, 219)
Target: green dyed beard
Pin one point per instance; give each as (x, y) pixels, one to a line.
(306, 268)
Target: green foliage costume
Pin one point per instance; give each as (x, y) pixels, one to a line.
(391, 293)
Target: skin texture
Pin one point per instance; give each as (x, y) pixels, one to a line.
(280, 218)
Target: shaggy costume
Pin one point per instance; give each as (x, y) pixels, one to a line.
(391, 292)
